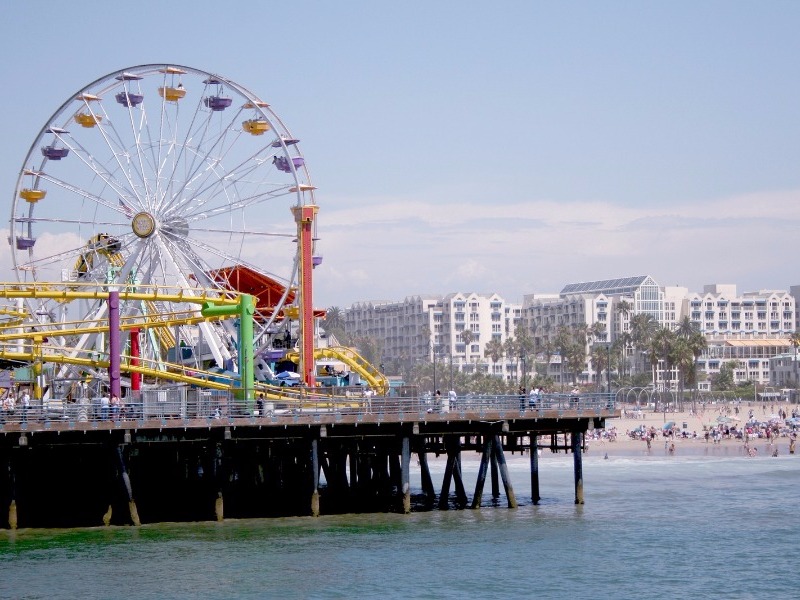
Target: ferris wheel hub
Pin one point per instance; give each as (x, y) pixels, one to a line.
(143, 224)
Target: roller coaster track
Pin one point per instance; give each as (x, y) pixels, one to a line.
(374, 378)
(33, 335)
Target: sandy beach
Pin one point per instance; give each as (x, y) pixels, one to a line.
(624, 445)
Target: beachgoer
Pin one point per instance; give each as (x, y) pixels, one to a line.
(260, 405)
(25, 402)
(116, 407)
(672, 448)
(104, 407)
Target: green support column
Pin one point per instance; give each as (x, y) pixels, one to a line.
(244, 310)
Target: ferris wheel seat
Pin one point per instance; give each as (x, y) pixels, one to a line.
(303, 187)
(25, 243)
(255, 126)
(282, 163)
(316, 261)
(286, 141)
(53, 153)
(31, 195)
(217, 102)
(128, 99)
(87, 119)
(171, 94)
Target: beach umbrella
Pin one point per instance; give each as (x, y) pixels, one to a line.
(668, 425)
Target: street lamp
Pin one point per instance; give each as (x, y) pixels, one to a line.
(433, 349)
(450, 349)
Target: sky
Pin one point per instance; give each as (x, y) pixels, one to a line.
(505, 147)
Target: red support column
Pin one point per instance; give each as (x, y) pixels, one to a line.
(304, 217)
(136, 378)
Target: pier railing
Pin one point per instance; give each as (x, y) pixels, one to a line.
(181, 404)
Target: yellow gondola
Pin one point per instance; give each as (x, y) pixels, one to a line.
(255, 126)
(31, 195)
(87, 119)
(172, 94)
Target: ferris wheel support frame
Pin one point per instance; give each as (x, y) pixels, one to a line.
(304, 216)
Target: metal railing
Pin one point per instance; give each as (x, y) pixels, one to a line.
(182, 403)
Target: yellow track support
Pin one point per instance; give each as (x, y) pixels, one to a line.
(374, 378)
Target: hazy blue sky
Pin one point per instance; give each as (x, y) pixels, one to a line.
(503, 146)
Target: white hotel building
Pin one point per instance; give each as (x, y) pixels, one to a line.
(750, 328)
(419, 326)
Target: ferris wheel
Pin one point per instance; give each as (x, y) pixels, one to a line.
(160, 175)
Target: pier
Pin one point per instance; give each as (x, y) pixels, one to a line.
(192, 458)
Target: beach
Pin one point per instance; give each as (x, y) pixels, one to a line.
(690, 422)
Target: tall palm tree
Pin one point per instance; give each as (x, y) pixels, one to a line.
(334, 322)
(660, 346)
(466, 337)
(794, 340)
(524, 347)
(494, 350)
(643, 327)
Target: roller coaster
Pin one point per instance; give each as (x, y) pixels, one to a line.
(24, 339)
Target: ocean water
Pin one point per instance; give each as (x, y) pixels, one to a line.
(652, 526)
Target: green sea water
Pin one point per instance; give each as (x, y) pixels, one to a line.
(652, 526)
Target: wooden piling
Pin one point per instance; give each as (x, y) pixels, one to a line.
(425, 475)
(486, 458)
(405, 467)
(12, 505)
(578, 463)
(503, 468)
(315, 477)
(534, 444)
(126, 481)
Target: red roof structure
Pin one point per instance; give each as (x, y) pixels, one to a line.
(265, 289)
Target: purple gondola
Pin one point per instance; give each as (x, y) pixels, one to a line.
(282, 163)
(286, 141)
(25, 243)
(217, 102)
(128, 99)
(53, 153)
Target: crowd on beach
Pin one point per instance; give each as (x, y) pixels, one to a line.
(735, 423)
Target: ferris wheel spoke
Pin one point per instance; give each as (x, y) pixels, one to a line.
(85, 156)
(204, 165)
(87, 195)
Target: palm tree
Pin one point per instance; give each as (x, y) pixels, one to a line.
(643, 327)
(660, 346)
(466, 337)
(601, 360)
(334, 324)
(694, 343)
(524, 347)
(494, 350)
(794, 340)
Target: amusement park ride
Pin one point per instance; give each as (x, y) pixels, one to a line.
(143, 217)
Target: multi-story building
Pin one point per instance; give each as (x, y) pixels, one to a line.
(424, 328)
(749, 328)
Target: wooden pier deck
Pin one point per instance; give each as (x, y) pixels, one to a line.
(78, 469)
